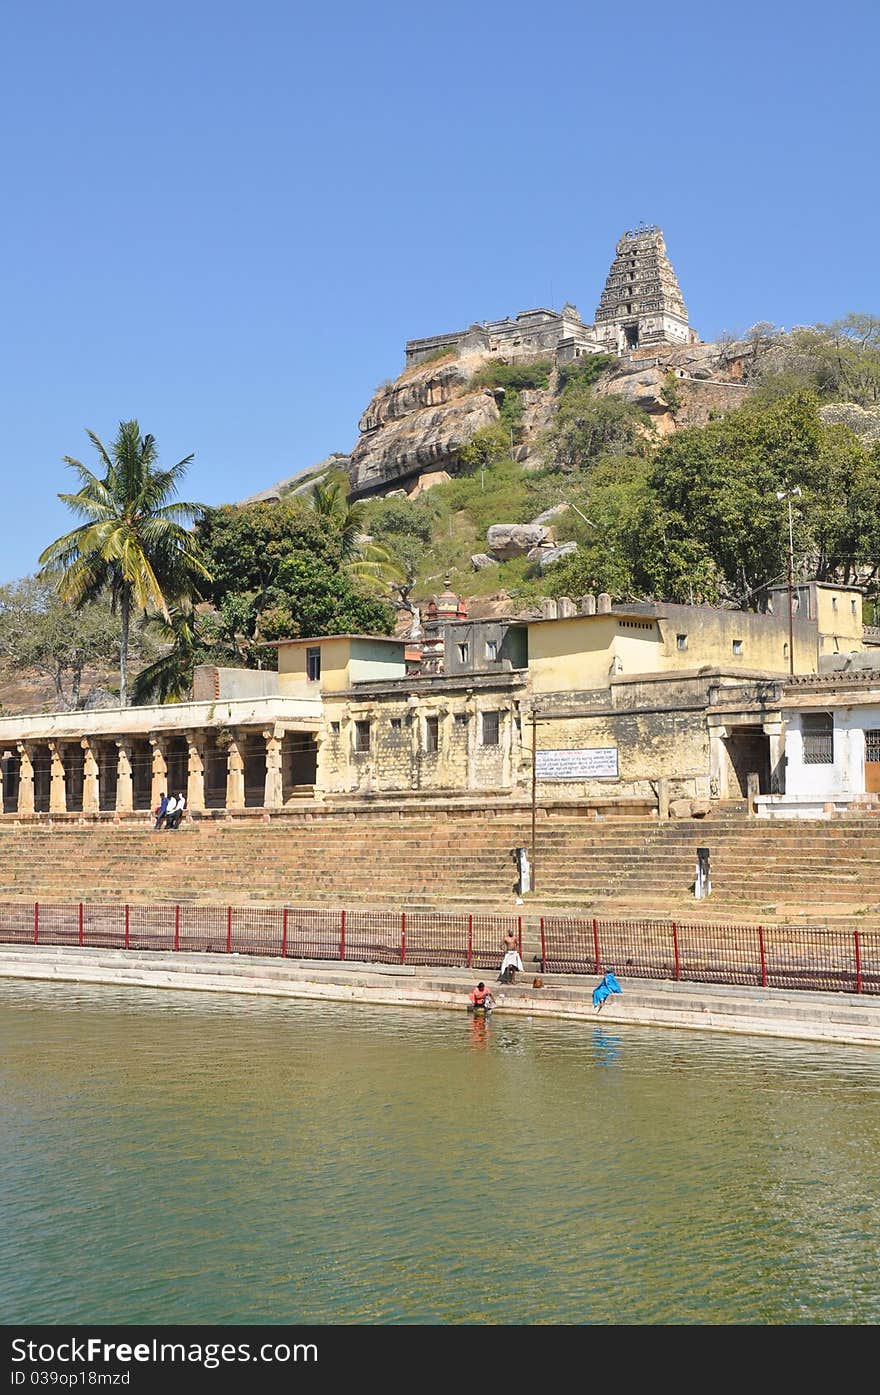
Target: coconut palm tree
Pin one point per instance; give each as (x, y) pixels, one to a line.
(369, 561)
(134, 543)
(169, 677)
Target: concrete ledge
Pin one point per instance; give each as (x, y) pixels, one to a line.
(830, 1017)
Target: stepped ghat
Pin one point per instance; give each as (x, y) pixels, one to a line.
(817, 873)
(641, 307)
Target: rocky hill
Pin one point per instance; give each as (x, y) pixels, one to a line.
(414, 428)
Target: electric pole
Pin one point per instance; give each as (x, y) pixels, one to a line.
(534, 785)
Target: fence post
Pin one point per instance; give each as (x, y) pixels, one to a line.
(596, 943)
(675, 949)
(80, 919)
(228, 929)
(858, 961)
(177, 927)
(36, 922)
(403, 937)
(127, 935)
(470, 954)
(543, 946)
(763, 956)
(342, 934)
(284, 933)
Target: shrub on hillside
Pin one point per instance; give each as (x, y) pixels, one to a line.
(518, 376)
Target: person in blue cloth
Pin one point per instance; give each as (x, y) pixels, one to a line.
(604, 988)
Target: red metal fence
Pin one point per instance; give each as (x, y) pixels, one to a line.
(374, 937)
(756, 955)
(769, 956)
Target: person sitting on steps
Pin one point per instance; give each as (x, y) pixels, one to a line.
(173, 821)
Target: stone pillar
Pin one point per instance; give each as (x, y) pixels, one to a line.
(414, 711)
(717, 762)
(506, 736)
(321, 748)
(160, 773)
(776, 732)
(195, 773)
(472, 739)
(57, 786)
(91, 781)
(273, 797)
(124, 786)
(234, 776)
(25, 779)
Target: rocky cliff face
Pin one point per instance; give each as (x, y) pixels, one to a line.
(416, 425)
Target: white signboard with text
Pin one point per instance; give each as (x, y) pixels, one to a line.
(580, 763)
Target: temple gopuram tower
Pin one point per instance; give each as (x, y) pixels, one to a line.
(641, 304)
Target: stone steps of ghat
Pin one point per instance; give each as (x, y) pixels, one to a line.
(458, 863)
(427, 838)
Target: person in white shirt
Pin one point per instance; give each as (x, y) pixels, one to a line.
(169, 812)
(177, 812)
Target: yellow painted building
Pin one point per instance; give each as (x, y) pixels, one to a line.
(584, 651)
(307, 667)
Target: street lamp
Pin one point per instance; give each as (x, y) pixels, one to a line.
(790, 494)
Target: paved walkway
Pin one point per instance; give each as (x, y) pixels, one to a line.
(828, 1017)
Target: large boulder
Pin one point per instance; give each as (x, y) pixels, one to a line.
(549, 514)
(508, 540)
(549, 556)
(417, 425)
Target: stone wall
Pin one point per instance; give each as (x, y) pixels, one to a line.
(463, 738)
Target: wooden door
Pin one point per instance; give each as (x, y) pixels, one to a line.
(872, 762)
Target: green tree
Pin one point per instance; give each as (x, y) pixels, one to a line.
(134, 544)
(587, 427)
(279, 572)
(313, 596)
(486, 446)
(40, 631)
(840, 361)
(584, 371)
(841, 509)
(713, 497)
(365, 559)
(168, 678)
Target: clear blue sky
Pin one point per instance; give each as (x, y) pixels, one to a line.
(225, 219)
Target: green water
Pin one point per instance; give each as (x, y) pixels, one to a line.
(183, 1158)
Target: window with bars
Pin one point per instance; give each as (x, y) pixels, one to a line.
(872, 746)
(432, 734)
(362, 736)
(313, 664)
(818, 733)
(491, 727)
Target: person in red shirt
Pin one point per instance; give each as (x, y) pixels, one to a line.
(480, 997)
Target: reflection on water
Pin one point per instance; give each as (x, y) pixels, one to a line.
(174, 1158)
